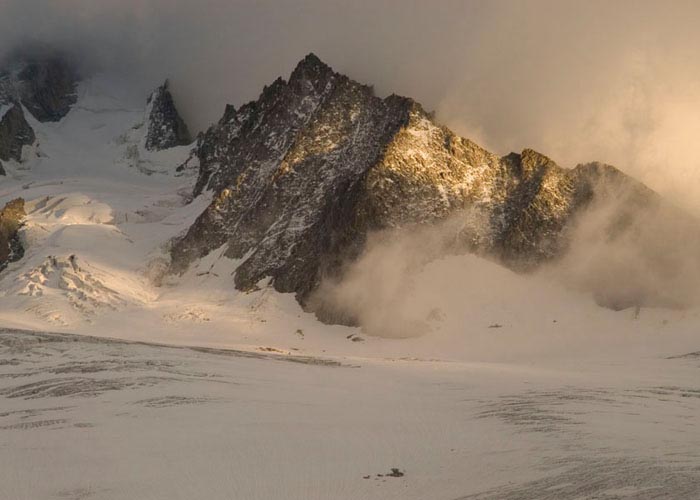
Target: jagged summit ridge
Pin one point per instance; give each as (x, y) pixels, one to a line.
(302, 175)
(285, 160)
(270, 123)
(311, 70)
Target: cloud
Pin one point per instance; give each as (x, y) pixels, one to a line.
(579, 81)
(628, 249)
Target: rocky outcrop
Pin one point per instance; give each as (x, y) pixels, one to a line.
(15, 133)
(164, 126)
(302, 175)
(45, 84)
(11, 217)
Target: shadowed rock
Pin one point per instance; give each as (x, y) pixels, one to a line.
(165, 127)
(15, 133)
(44, 82)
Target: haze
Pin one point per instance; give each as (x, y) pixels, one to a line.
(609, 81)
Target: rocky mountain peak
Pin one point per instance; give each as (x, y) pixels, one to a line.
(165, 127)
(15, 132)
(268, 126)
(311, 68)
(301, 176)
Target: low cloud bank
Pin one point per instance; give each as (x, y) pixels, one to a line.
(579, 81)
(624, 253)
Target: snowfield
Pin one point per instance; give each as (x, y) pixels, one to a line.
(120, 382)
(87, 417)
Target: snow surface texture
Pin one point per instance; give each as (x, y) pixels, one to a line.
(519, 389)
(91, 418)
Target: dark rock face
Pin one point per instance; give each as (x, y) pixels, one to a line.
(15, 133)
(288, 171)
(10, 221)
(303, 174)
(45, 85)
(165, 127)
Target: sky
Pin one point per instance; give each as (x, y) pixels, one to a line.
(613, 81)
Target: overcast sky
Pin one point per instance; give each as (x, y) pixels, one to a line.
(616, 81)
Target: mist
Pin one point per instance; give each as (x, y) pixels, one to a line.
(623, 255)
(617, 82)
(579, 81)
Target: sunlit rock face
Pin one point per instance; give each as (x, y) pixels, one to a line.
(45, 84)
(164, 126)
(10, 221)
(302, 175)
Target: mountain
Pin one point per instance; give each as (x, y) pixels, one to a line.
(15, 132)
(99, 137)
(301, 176)
(45, 85)
(292, 187)
(165, 128)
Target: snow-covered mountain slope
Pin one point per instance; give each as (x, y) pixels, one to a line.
(87, 193)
